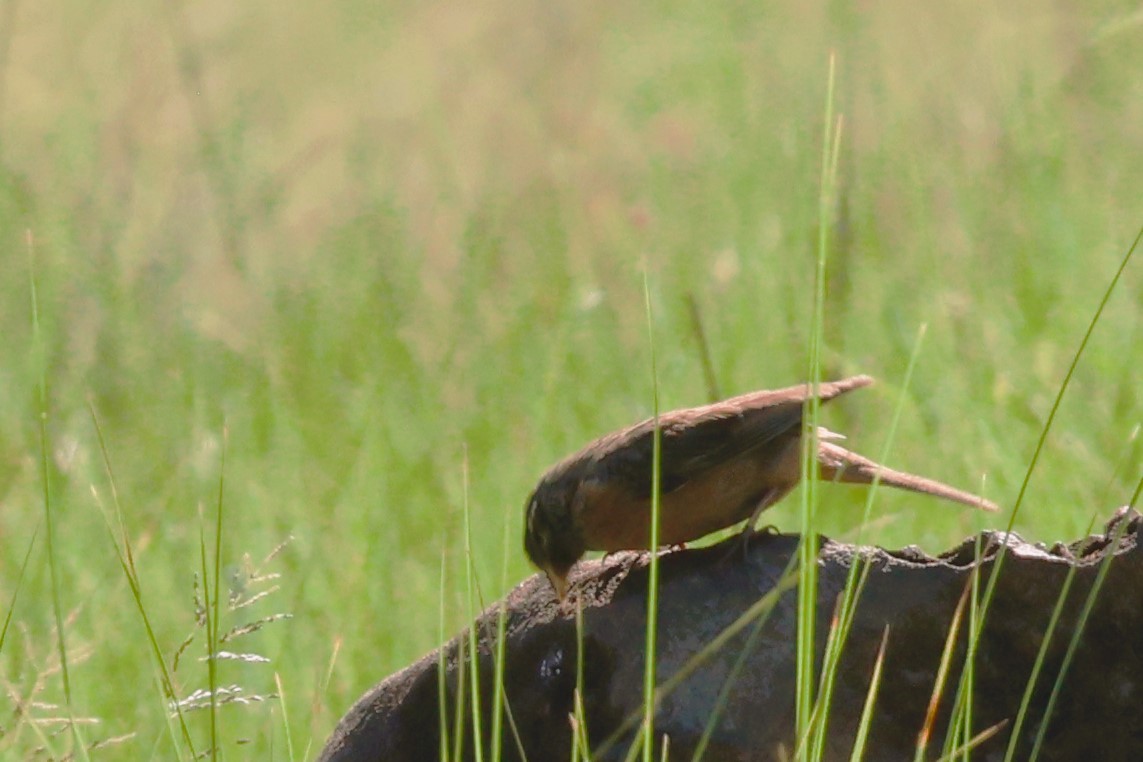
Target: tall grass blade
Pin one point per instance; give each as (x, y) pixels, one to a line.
(40, 355)
(964, 709)
(498, 699)
(214, 621)
(866, 720)
(442, 686)
(650, 649)
(207, 612)
(581, 737)
(858, 571)
(808, 548)
(322, 689)
(281, 689)
(461, 690)
(474, 649)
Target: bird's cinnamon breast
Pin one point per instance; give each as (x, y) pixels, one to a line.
(611, 518)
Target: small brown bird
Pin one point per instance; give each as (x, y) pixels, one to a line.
(720, 464)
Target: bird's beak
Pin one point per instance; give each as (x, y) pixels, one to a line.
(559, 583)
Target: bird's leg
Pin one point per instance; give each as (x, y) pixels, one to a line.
(768, 498)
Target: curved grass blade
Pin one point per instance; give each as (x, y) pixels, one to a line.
(126, 556)
(942, 675)
(16, 589)
(993, 578)
(1042, 655)
(735, 669)
(1085, 614)
(761, 608)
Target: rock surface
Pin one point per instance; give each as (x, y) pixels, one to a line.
(704, 591)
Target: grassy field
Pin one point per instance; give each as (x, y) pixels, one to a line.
(331, 253)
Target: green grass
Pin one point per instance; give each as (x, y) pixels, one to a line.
(376, 243)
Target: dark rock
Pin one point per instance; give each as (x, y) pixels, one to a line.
(702, 593)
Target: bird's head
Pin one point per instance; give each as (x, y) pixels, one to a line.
(552, 538)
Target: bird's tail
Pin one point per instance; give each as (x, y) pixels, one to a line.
(840, 464)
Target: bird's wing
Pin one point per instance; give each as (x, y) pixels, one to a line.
(697, 439)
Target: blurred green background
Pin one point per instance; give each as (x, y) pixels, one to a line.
(363, 242)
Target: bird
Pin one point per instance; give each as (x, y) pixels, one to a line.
(720, 464)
